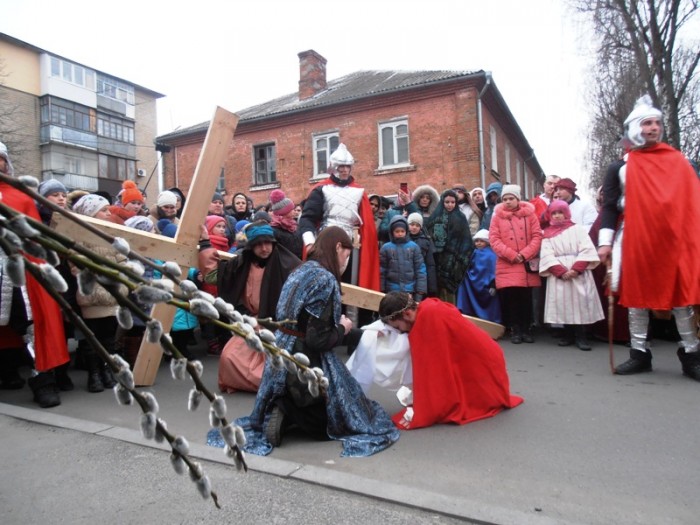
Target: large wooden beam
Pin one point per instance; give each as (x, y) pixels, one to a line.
(217, 145)
(369, 300)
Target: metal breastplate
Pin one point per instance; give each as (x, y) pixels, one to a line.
(622, 176)
(341, 206)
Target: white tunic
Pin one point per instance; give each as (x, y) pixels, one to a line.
(383, 357)
(575, 301)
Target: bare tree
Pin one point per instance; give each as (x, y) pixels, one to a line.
(639, 51)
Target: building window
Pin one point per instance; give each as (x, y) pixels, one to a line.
(221, 185)
(265, 164)
(507, 154)
(116, 168)
(393, 144)
(324, 146)
(494, 150)
(115, 89)
(115, 128)
(67, 114)
(72, 73)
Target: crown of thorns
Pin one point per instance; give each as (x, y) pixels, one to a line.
(410, 304)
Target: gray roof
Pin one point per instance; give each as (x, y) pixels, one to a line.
(355, 86)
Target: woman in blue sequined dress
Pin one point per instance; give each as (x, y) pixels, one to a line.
(311, 296)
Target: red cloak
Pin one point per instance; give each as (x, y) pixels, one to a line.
(50, 345)
(368, 276)
(661, 244)
(459, 372)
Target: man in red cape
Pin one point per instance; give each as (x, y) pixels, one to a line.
(340, 201)
(459, 372)
(50, 346)
(656, 251)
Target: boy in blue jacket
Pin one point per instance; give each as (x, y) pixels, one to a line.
(401, 264)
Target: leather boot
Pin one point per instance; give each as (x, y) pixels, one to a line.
(567, 338)
(580, 338)
(638, 362)
(516, 335)
(43, 387)
(107, 376)
(94, 382)
(690, 363)
(63, 380)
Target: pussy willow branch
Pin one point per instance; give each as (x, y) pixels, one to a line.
(106, 357)
(17, 184)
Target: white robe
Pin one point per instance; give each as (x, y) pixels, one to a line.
(382, 357)
(575, 301)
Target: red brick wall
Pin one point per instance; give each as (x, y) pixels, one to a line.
(443, 146)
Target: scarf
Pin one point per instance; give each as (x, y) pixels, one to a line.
(284, 222)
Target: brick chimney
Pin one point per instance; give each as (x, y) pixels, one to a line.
(312, 74)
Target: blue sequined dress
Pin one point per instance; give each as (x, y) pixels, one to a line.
(361, 424)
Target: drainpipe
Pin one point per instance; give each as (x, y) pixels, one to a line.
(481, 129)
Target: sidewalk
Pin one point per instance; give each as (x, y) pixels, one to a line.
(585, 447)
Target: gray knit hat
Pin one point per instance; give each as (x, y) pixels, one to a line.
(415, 217)
(51, 186)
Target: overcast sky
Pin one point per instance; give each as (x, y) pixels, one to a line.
(237, 54)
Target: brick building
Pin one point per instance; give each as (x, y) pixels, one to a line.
(435, 127)
(64, 120)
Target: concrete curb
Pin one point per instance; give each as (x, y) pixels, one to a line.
(460, 508)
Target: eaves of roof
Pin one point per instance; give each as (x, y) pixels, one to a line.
(35, 49)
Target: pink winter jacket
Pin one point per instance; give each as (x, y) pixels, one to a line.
(514, 232)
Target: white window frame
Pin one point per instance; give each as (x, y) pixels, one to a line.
(72, 73)
(494, 149)
(518, 170)
(394, 162)
(327, 149)
(268, 165)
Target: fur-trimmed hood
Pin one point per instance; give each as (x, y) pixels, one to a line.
(434, 196)
(523, 210)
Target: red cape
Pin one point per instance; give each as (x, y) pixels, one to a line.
(368, 276)
(459, 372)
(661, 243)
(49, 338)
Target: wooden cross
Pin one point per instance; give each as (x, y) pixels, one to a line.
(183, 249)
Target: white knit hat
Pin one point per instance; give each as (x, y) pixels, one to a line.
(90, 204)
(511, 189)
(482, 235)
(643, 109)
(166, 198)
(415, 218)
(5, 155)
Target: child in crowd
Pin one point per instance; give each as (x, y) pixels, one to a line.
(567, 257)
(427, 249)
(184, 323)
(477, 296)
(216, 227)
(401, 264)
(98, 307)
(130, 203)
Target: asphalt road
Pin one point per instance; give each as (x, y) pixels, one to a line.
(586, 447)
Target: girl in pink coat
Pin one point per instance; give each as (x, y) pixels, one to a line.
(516, 236)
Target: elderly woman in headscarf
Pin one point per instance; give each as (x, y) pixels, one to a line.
(449, 230)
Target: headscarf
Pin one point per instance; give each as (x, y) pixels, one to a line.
(555, 227)
(5, 155)
(453, 243)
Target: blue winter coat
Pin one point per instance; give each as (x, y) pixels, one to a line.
(401, 264)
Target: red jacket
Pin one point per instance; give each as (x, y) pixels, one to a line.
(511, 233)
